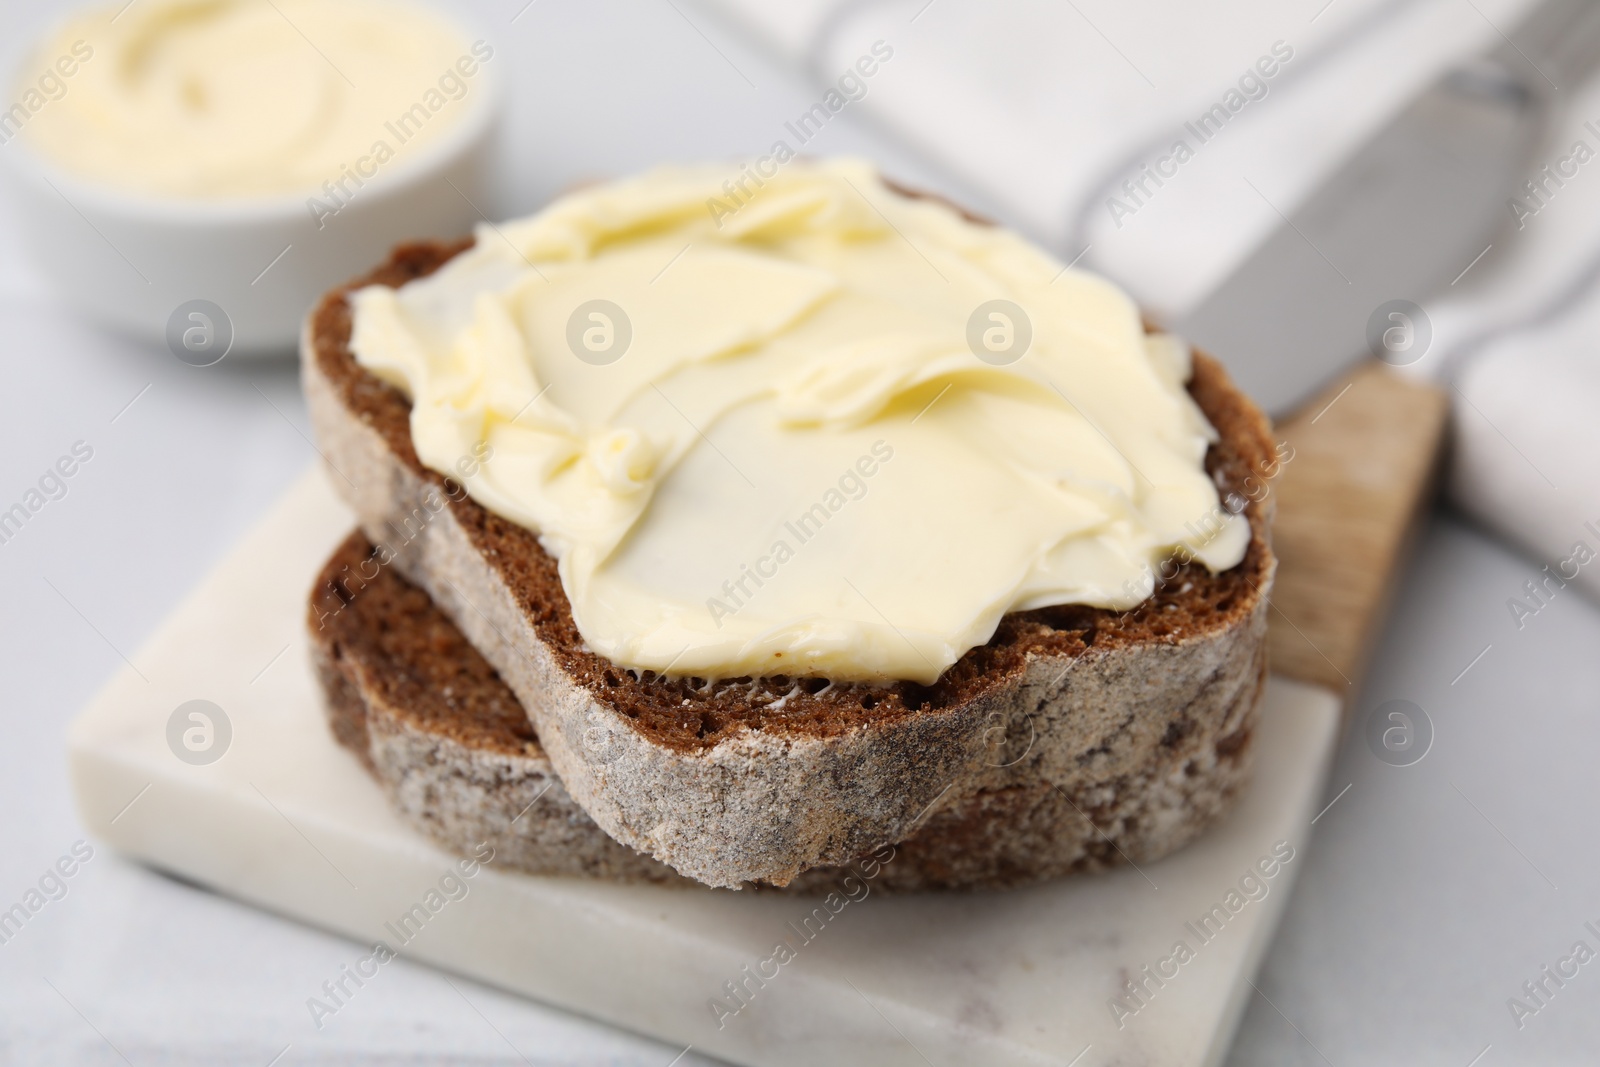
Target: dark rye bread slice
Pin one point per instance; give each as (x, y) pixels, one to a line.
(431, 720)
(448, 742)
(1081, 735)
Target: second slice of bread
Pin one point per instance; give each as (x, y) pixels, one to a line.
(449, 744)
(1074, 738)
(430, 719)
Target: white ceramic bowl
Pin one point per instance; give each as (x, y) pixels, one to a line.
(141, 264)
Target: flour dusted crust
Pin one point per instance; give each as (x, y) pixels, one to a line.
(1073, 739)
(448, 742)
(432, 722)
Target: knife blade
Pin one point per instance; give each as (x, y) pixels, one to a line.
(1411, 210)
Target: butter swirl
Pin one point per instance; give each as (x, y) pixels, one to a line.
(799, 464)
(209, 99)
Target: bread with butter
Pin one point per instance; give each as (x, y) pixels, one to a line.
(1074, 738)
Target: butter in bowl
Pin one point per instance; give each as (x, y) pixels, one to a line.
(200, 170)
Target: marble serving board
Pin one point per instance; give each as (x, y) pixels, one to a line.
(287, 820)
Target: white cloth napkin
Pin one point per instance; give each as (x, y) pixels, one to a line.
(1527, 448)
(1047, 108)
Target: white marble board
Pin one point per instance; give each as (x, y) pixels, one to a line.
(288, 821)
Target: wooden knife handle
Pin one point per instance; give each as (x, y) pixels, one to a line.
(1365, 465)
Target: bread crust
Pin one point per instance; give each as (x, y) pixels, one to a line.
(448, 742)
(431, 721)
(1074, 739)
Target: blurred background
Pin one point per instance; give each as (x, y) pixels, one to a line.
(1432, 890)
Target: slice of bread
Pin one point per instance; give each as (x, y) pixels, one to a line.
(1074, 738)
(449, 743)
(434, 724)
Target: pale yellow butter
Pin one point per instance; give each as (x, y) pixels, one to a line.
(799, 464)
(212, 99)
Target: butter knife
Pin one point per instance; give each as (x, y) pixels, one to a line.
(1413, 209)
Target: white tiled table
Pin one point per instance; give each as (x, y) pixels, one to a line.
(1430, 894)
